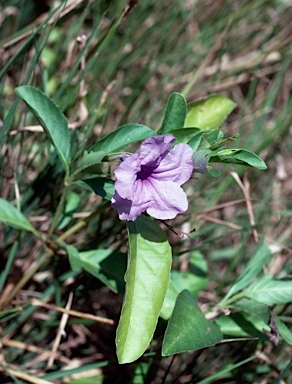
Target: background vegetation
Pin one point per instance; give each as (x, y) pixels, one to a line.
(107, 63)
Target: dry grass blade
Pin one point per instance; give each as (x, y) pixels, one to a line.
(25, 376)
(221, 222)
(245, 187)
(70, 312)
(61, 331)
(33, 348)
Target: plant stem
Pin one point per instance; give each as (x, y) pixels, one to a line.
(81, 224)
(58, 212)
(226, 303)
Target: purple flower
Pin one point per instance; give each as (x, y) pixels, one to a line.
(150, 180)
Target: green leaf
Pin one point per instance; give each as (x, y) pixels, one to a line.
(211, 139)
(238, 156)
(213, 172)
(194, 280)
(186, 280)
(209, 113)
(196, 140)
(90, 161)
(175, 114)
(12, 216)
(230, 327)
(102, 186)
(188, 329)
(106, 265)
(147, 278)
(254, 308)
(50, 118)
(270, 291)
(71, 205)
(169, 300)
(122, 137)
(74, 258)
(284, 330)
(184, 135)
(241, 325)
(254, 266)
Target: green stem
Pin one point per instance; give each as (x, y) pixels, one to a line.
(81, 224)
(58, 212)
(226, 303)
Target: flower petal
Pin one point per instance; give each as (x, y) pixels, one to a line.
(168, 199)
(126, 174)
(150, 180)
(155, 148)
(132, 207)
(177, 166)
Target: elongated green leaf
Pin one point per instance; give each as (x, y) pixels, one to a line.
(184, 135)
(169, 300)
(102, 186)
(209, 113)
(11, 216)
(122, 137)
(238, 156)
(50, 118)
(211, 138)
(284, 330)
(254, 266)
(147, 278)
(188, 329)
(270, 291)
(230, 327)
(242, 324)
(106, 265)
(254, 308)
(175, 114)
(71, 205)
(196, 140)
(90, 162)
